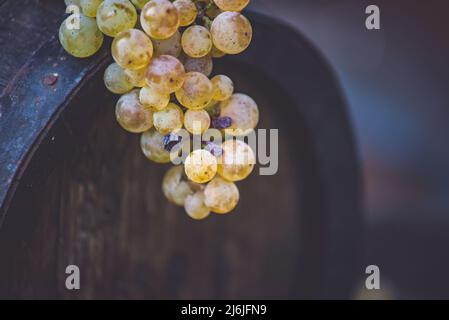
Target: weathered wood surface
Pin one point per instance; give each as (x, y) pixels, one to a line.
(77, 190)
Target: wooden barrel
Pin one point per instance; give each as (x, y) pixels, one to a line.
(76, 189)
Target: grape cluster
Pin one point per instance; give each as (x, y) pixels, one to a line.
(163, 52)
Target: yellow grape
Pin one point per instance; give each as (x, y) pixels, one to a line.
(244, 114)
(196, 92)
(195, 207)
(175, 188)
(196, 41)
(137, 77)
(203, 65)
(154, 99)
(159, 19)
(165, 73)
(89, 7)
(170, 46)
(200, 166)
(223, 87)
(221, 196)
(116, 80)
(231, 32)
(196, 121)
(132, 49)
(115, 16)
(237, 160)
(187, 12)
(231, 5)
(169, 119)
(152, 144)
(132, 115)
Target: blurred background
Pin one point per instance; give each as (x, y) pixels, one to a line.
(396, 82)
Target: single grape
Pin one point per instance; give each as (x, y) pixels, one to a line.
(196, 121)
(165, 73)
(89, 7)
(132, 49)
(136, 77)
(175, 188)
(131, 114)
(231, 5)
(216, 53)
(116, 80)
(139, 3)
(200, 166)
(196, 41)
(159, 19)
(244, 114)
(203, 65)
(221, 196)
(169, 119)
(231, 32)
(195, 207)
(223, 87)
(187, 12)
(82, 42)
(154, 99)
(152, 144)
(115, 16)
(237, 160)
(170, 46)
(196, 92)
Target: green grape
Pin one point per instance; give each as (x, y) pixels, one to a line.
(195, 207)
(237, 160)
(89, 7)
(200, 166)
(231, 32)
(154, 99)
(187, 12)
(231, 5)
(223, 87)
(244, 114)
(82, 42)
(136, 77)
(170, 46)
(132, 115)
(139, 3)
(132, 49)
(196, 92)
(175, 188)
(203, 65)
(116, 80)
(159, 19)
(152, 145)
(216, 53)
(168, 119)
(196, 121)
(115, 16)
(196, 41)
(165, 73)
(221, 196)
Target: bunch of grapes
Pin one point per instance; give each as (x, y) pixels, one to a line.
(163, 52)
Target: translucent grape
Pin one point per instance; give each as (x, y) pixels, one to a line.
(115, 16)
(203, 65)
(89, 7)
(223, 87)
(139, 3)
(169, 119)
(196, 121)
(187, 12)
(132, 49)
(244, 114)
(132, 115)
(170, 46)
(231, 32)
(200, 166)
(154, 99)
(196, 41)
(116, 80)
(175, 188)
(152, 144)
(82, 42)
(159, 19)
(165, 73)
(136, 77)
(231, 5)
(195, 207)
(221, 196)
(216, 53)
(237, 160)
(196, 92)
